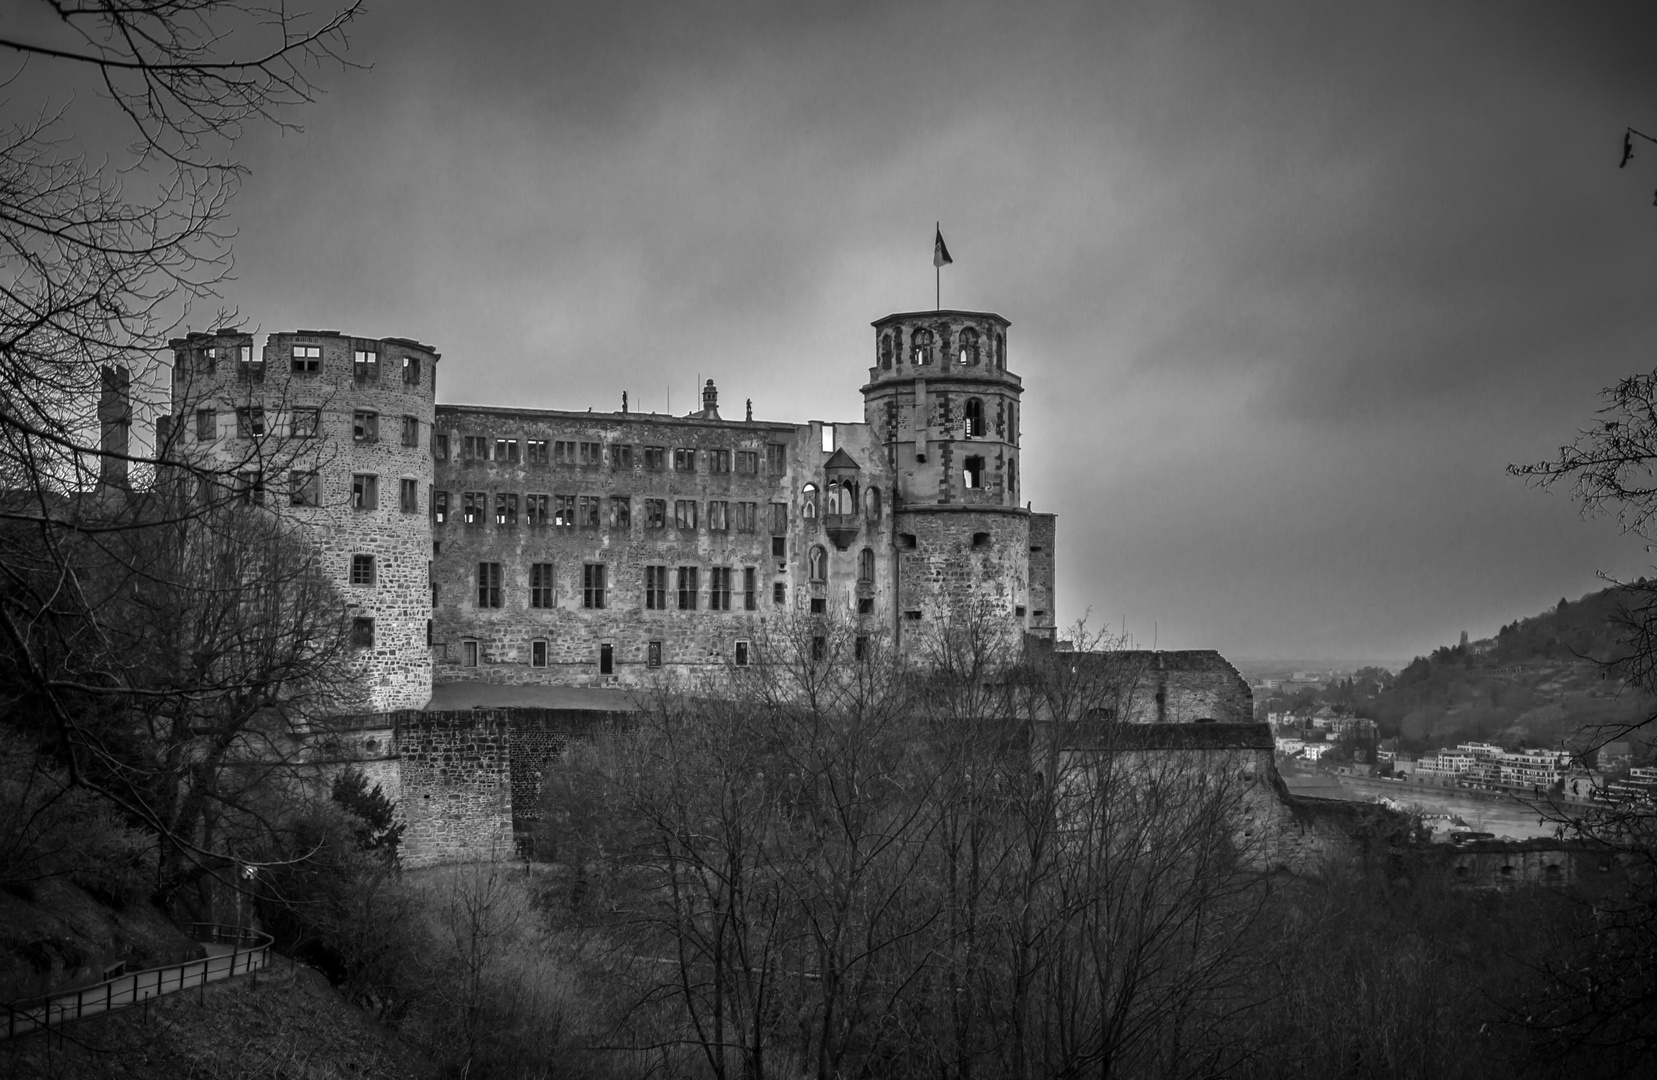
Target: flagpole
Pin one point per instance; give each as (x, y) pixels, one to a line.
(937, 274)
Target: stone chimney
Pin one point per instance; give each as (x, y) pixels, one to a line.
(115, 420)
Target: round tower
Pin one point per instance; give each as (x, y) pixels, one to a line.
(345, 424)
(945, 408)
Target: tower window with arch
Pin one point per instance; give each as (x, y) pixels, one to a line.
(1000, 358)
(920, 350)
(972, 472)
(808, 502)
(871, 504)
(886, 350)
(974, 418)
(866, 567)
(817, 564)
(1012, 476)
(842, 498)
(969, 347)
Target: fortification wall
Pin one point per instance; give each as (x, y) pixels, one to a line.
(456, 782)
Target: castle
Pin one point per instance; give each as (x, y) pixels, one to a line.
(505, 545)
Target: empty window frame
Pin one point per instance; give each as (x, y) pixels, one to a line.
(684, 459)
(740, 655)
(591, 453)
(866, 567)
(489, 584)
(474, 507)
(536, 509)
(207, 425)
(819, 649)
(250, 487)
(592, 585)
(655, 588)
(538, 653)
(808, 502)
(411, 431)
(563, 452)
(304, 423)
(440, 445)
(411, 371)
(362, 632)
(719, 515)
(828, 439)
(860, 647)
(747, 516)
(304, 488)
(506, 509)
(362, 570)
(540, 585)
(535, 451)
(247, 367)
(819, 605)
(653, 654)
(817, 563)
(250, 423)
(974, 416)
(307, 359)
(776, 458)
(779, 547)
(587, 510)
(967, 353)
(684, 514)
(871, 504)
(719, 461)
(506, 450)
(440, 507)
(747, 462)
(750, 585)
(779, 518)
(365, 360)
(865, 605)
(886, 350)
(920, 351)
(972, 472)
(621, 456)
(621, 512)
(779, 593)
(687, 588)
(719, 588)
(655, 513)
(563, 511)
(408, 496)
(655, 458)
(365, 491)
(365, 426)
(474, 447)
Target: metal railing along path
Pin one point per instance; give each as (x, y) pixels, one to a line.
(249, 954)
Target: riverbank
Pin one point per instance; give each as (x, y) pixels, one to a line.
(1483, 811)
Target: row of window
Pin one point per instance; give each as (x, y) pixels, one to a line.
(925, 343)
(253, 422)
(619, 456)
(742, 652)
(507, 509)
(307, 360)
(305, 489)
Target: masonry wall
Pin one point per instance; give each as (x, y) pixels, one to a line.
(1044, 530)
(456, 786)
(541, 737)
(955, 563)
(1155, 687)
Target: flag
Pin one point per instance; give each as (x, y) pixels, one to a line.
(940, 254)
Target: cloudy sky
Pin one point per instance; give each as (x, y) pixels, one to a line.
(1290, 284)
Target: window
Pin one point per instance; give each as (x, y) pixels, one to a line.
(474, 506)
(411, 431)
(655, 588)
(719, 589)
(207, 425)
(592, 585)
(747, 462)
(365, 426)
(819, 605)
(411, 370)
(842, 499)
(409, 497)
(1012, 475)
(653, 654)
(972, 473)
(980, 539)
(535, 451)
(655, 513)
(540, 585)
(365, 491)
(819, 649)
(538, 653)
(362, 633)
(304, 423)
(250, 423)
(362, 569)
(719, 515)
(866, 567)
(920, 351)
(684, 459)
(687, 588)
(440, 507)
(808, 501)
(440, 445)
(776, 458)
(563, 452)
(779, 518)
(1000, 350)
(606, 659)
(719, 461)
(817, 562)
(365, 359)
(684, 513)
(750, 582)
(249, 368)
(307, 359)
(828, 438)
(871, 504)
(588, 511)
(886, 350)
(506, 509)
(912, 616)
(621, 456)
(655, 458)
(592, 453)
(250, 487)
(474, 447)
(506, 450)
(860, 647)
(304, 489)
(907, 541)
(779, 547)
(779, 592)
(621, 512)
(535, 509)
(975, 418)
(468, 654)
(969, 347)
(741, 656)
(489, 584)
(563, 511)
(865, 605)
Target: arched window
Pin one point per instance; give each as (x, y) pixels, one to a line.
(1012, 476)
(972, 473)
(1000, 351)
(975, 418)
(871, 504)
(969, 347)
(808, 501)
(866, 567)
(846, 502)
(817, 563)
(921, 348)
(886, 350)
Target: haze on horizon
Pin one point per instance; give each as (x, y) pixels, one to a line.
(1290, 283)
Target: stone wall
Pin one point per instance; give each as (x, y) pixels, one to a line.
(1044, 597)
(1154, 687)
(539, 737)
(955, 563)
(456, 786)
